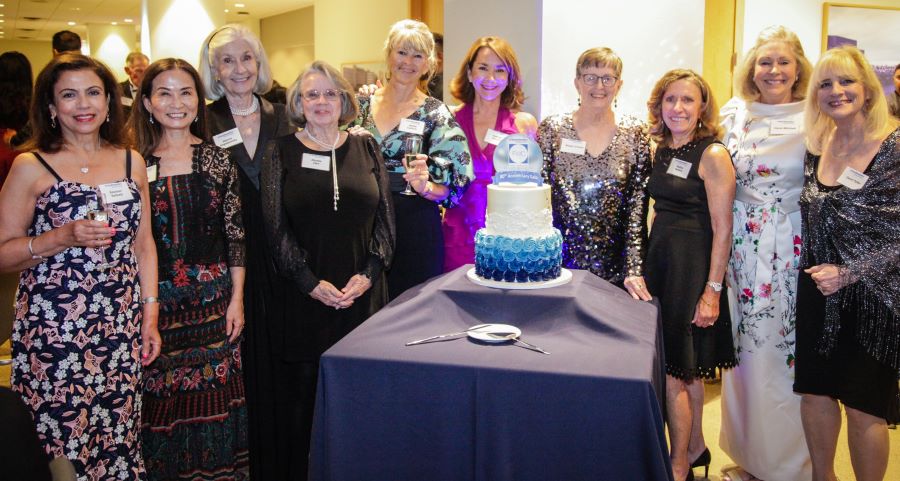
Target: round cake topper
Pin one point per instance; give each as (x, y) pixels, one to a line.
(518, 160)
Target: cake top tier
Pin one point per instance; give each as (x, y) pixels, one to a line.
(517, 160)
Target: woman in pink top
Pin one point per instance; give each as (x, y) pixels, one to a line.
(490, 86)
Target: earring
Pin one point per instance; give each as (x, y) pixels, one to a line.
(616, 103)
(107, 116)
(699, 124)
(151, 119)
(196, 119)
(52, 122)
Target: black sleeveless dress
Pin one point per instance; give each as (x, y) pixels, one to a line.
(677, 266)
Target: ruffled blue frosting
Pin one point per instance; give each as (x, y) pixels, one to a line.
(530, 259)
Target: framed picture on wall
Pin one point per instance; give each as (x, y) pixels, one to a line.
(872, 29)
(363, 73)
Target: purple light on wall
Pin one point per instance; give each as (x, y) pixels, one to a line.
(837, 41)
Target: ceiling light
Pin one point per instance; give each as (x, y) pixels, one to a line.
(70, 24)
(128, 20)
(226, 10)
(239, 5)
(115, 23)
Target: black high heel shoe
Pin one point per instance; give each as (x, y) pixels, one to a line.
(704, 460)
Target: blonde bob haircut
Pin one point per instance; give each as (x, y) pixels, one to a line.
(208, 59)
(845, 62)
(744, 85)
(707, 124)
(412, 35)
(601, 58)
(512, 97)
(349, 105)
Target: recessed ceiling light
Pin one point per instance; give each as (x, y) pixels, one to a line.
(115, 23)
(239, 5)
(226, 10)
(128, 20)
(70, 24)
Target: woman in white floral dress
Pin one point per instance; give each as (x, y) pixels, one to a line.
(761, 429)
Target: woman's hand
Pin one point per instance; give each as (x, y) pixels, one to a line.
(417, 173)
(327, 294)
(151, 343)
(829, 278)
(707, 311)
(359, 130)
(637, 288)
(234, 319)
(86, 233)
(369, 90)
(356, 286)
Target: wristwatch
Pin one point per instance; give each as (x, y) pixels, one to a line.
(716, 286)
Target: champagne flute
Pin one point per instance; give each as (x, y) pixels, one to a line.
(412, 145)
(97, 211)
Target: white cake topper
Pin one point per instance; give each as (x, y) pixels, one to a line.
(517, 160)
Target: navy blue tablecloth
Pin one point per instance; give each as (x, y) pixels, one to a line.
(466, 410)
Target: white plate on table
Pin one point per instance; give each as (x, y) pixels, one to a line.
(484, 333)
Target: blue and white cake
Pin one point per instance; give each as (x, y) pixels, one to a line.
(518, 242)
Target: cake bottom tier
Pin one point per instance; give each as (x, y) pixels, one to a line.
(518, 259)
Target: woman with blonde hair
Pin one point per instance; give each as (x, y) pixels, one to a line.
(763, 124)
(848, 293)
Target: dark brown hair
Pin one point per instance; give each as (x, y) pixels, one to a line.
(512, 97)
(15, 90)
(707, 124)
(147, 135)
(48, 138)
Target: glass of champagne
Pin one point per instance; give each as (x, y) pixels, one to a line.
(412, 145)
(97, 211)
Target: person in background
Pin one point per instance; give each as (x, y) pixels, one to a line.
(332, 232)
(848, 293)
(15, 97)
(763, 125)
(135, 65)
(894, 99)
(65, 41)
(436, 84)
(597, 167)
(692, 184)
(277, 94)
(196, 427)
(489, 83)
(235, 71)
(441, 171)
(74, 219)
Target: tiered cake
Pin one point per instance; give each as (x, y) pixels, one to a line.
(518, 243)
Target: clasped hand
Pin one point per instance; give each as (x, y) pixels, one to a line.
(829, 278)
(331, 296)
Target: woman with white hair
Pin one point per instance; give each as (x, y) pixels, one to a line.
(442, 170)
(235, 71)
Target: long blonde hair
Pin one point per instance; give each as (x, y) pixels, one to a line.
(848, 62)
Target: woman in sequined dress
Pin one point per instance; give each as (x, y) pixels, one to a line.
(692, 184)
(597, 167)
(848, 293)
(86, 308)
(761, 429)
(489, 84)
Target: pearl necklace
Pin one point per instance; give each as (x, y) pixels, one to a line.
(337, 191)
(254, 106)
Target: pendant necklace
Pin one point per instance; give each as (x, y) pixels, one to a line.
(337, 191)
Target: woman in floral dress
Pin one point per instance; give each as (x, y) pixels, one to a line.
(761, 429)
(81, 332)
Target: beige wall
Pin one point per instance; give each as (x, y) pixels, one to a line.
(111, 44)
(288, 39)
(354, 30)
(38, 52)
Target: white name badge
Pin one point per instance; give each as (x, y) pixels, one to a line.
(127, 101)
(852, 178)
(152, 173)
(411, 126)
(573, 146)
(228, 138)
(679, 168)
(317, 162)
(494, 137)
(115, 192)
(783, 127)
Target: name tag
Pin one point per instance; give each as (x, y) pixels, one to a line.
(679, 168)
(852, 178)
(127, 101)
(494, 137)
(228, 138)
(783, 127)
(115, 192)
(411, 126)
(317, 162)
(152, 173)
(573, 146)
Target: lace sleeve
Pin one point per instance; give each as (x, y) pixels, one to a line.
(232, 220)
(448, 148)
(636, 202)
(381, 247)
(289, 257)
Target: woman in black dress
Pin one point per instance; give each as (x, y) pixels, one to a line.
(330, 222)
(235, 71)
(692, 183)
(848, 293)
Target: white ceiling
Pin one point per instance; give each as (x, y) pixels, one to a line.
(40, 19)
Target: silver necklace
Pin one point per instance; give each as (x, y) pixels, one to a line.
(254, 106)
(337, 190)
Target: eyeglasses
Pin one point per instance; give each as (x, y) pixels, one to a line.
(313, 95)
(591, 79)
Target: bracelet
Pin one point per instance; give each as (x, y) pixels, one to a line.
(34, 257)
(149, 300)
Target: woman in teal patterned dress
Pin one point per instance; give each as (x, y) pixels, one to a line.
(441, 172)
(195, 418)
